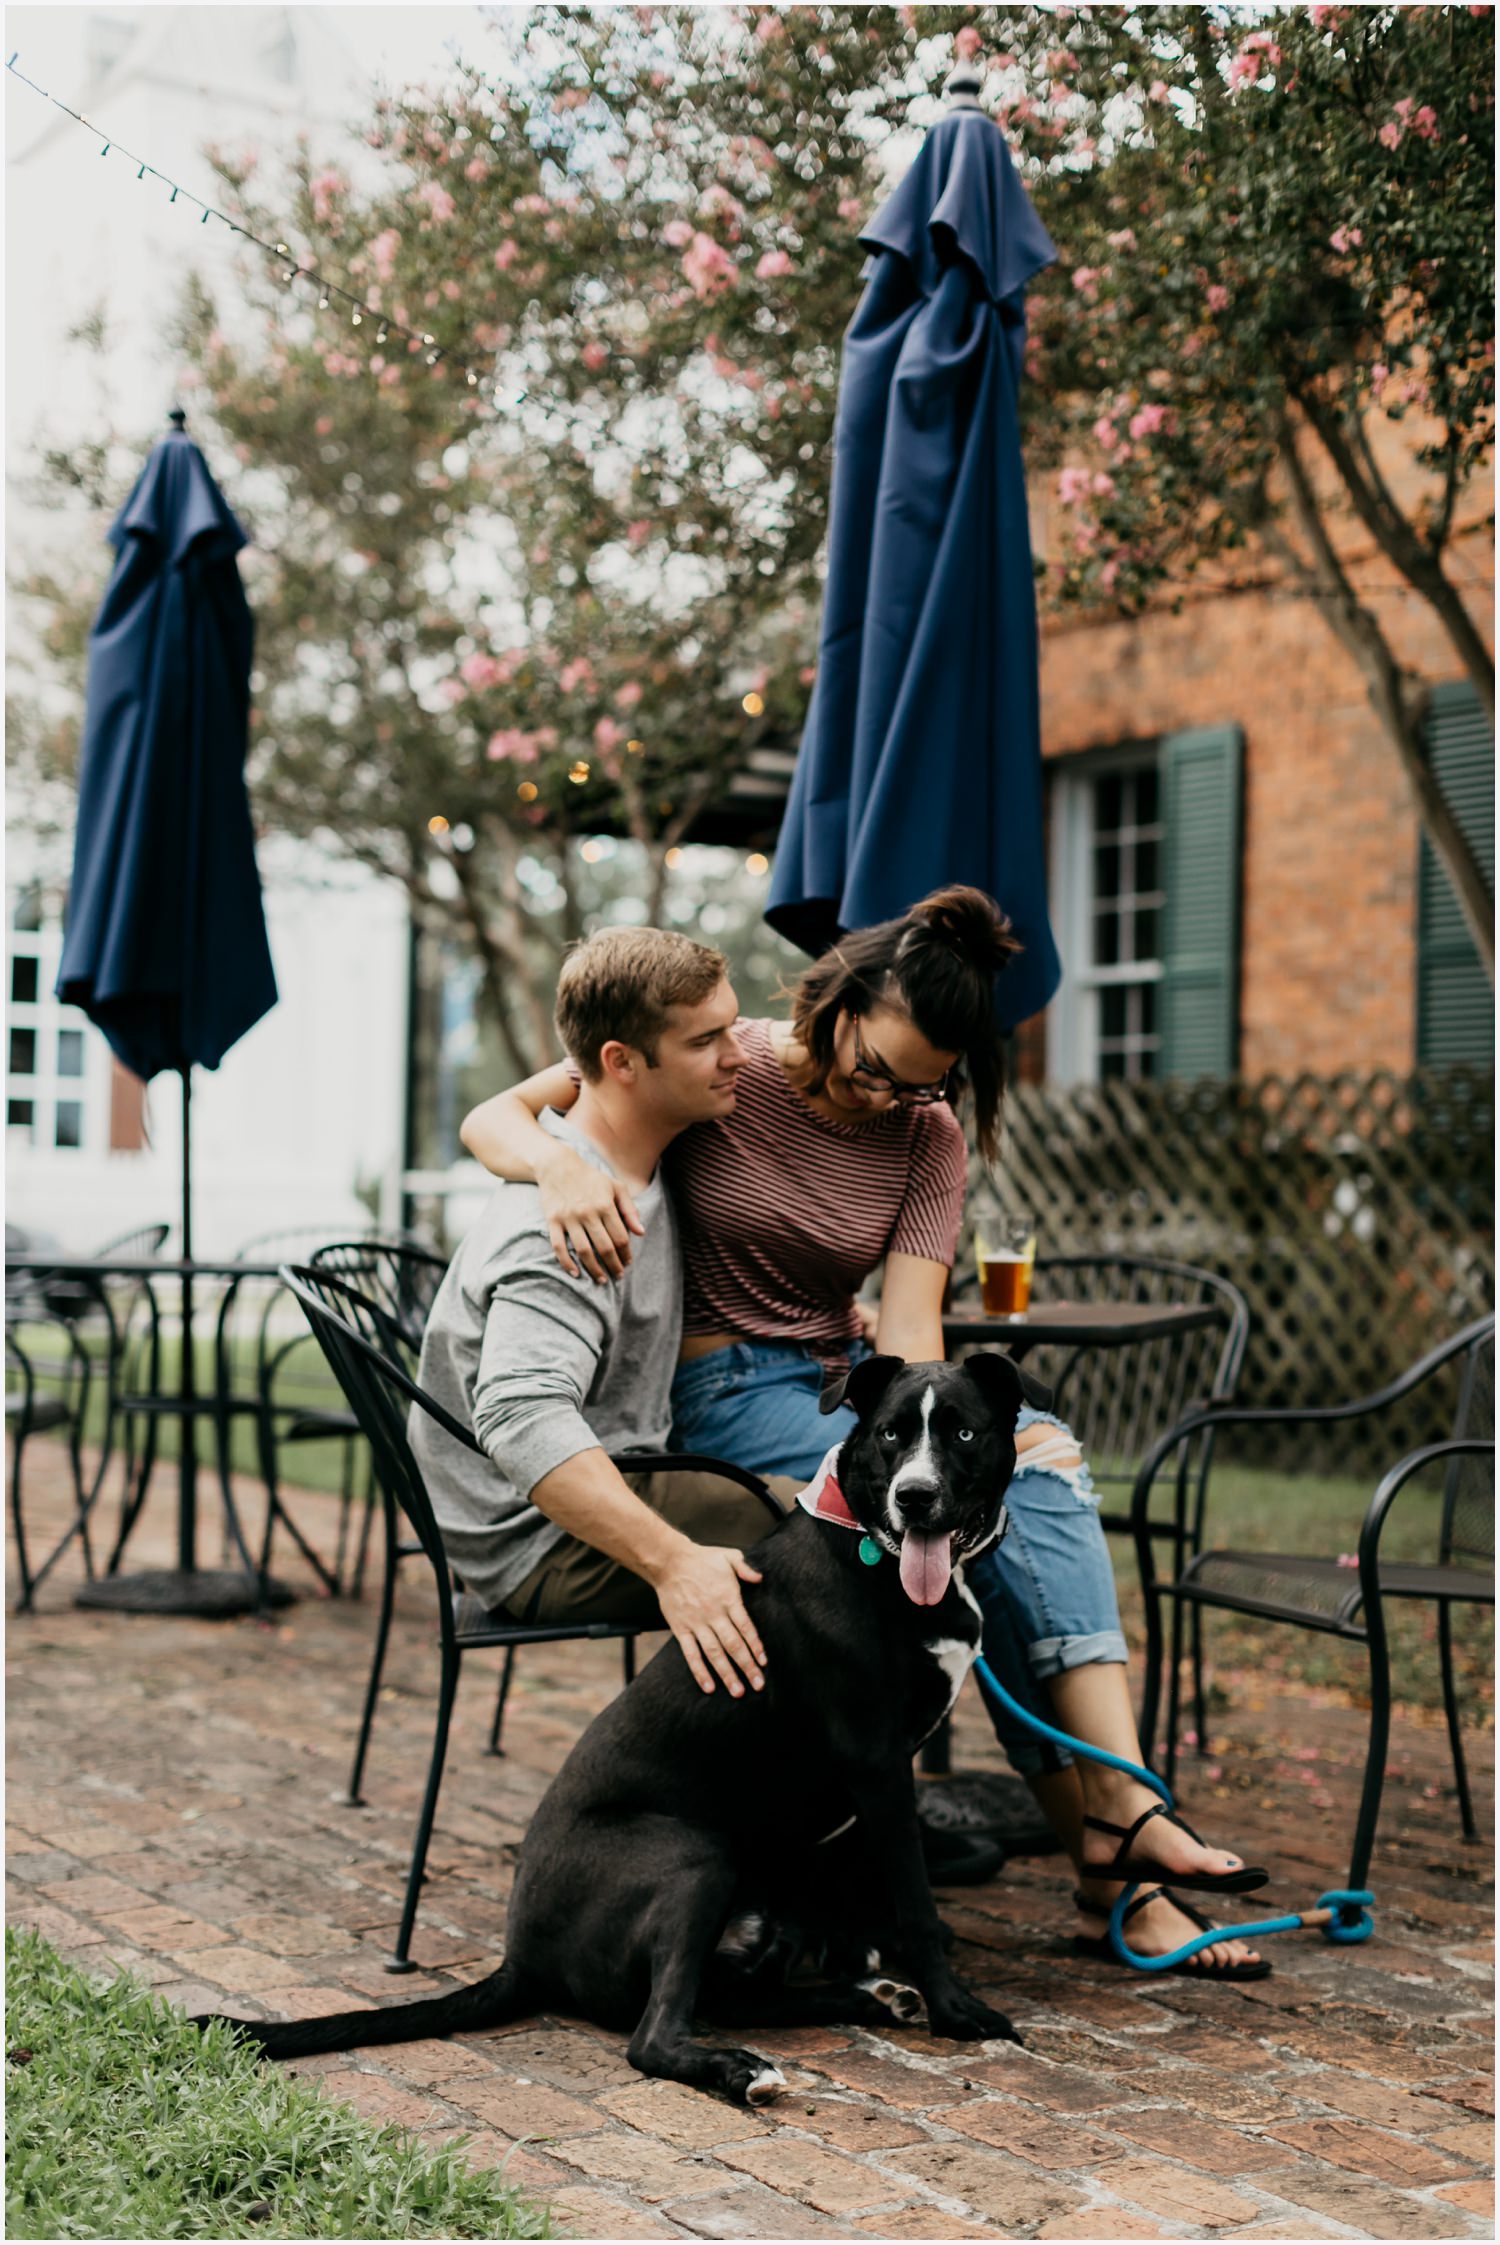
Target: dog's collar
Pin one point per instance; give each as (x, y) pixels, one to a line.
(825, 1500)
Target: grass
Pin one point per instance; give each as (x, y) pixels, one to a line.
(123, 2121)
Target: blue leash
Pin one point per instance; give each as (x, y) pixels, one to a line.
(1342, 1914)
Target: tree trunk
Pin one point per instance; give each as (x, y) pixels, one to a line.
(1398, 708)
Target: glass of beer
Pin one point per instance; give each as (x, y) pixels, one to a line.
(1005, 1249)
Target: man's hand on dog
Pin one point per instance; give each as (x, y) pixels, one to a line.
(698, 1591)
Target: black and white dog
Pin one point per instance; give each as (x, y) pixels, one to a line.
(757, 1861)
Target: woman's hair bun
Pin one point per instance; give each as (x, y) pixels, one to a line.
(965, 922)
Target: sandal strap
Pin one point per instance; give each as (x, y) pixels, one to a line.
(1126, 1833)
(1093, 1909)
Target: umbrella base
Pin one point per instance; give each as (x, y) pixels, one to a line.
(213, 1593)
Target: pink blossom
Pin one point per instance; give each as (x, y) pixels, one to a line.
(1425, 123)
(1216, 297)
(807, 674)
(1159, 90)
(717, 202)
(1109, 574)
(1390, 136)
(1086, 281)
(1106, 435)
(628, 696)
(326, 187)
(1102, 486)
(772, 266)
(595, 355)
(708, 269)
(1062, 59)
(767, 28)
(323, 426)
(1123, 239)
(338, 362)
(511, 747)
(476, 168)
(579, 672)
(636, 533)
(851, 207)
(383, 253)
(438, 200)
(1147, 420)
(607, 735)
(1072, 485)
(390, 378)
(967, 42)
(532, 206)
(453, 690)
(1321, 15)
(1085, 535)
(480, 670)
(677, 233)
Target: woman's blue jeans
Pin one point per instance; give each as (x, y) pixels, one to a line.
(1047, 1592)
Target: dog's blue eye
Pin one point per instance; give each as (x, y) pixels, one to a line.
(966, 1434)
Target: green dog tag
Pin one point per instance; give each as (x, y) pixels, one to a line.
(870, 1551)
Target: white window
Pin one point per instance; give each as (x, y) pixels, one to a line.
(56, 1063)
(1108, 902)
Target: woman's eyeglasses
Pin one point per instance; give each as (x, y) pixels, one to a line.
(869, 1072)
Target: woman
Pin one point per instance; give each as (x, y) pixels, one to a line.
(845, 1152)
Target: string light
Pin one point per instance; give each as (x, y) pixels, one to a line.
(591, 852)
(757, 864)
(437, 825)
(579, 773)
(527, 791)
(753, 706)
(329, 290)
(674, 856)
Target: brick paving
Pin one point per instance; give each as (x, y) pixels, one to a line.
(176, 1806)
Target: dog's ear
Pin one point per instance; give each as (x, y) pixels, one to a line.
(1004, 1380)
(862, 1386)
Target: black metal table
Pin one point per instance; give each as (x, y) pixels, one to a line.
(186, 1588)
(1097, 1325)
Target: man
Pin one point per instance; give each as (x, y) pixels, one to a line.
(552, 1372)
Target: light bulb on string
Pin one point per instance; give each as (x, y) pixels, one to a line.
(323, 301)
(380, 338)
(355, 317)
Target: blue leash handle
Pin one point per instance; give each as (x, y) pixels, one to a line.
(1343, 1913)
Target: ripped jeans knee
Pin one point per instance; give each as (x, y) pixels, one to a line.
(1047, 1593)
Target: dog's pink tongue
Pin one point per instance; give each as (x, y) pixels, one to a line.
(926, 1565)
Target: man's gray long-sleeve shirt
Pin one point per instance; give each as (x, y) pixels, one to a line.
(542, 1367)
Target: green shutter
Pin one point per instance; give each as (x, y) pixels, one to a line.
(1455, 1004)
(1200, 990)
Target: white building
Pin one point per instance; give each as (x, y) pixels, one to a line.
(304, 1120)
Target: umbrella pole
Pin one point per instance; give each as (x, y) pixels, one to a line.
(187, 1487)
(213, 1592)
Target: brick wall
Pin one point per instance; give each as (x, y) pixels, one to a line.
(1328, 959)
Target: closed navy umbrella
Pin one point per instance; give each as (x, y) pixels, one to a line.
(166, 940)
(920, 761)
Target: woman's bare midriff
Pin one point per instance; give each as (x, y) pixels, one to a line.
(705, 1344)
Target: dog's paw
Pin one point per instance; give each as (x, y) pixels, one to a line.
(964, 2018)
(764, 2086)
(906, 2004)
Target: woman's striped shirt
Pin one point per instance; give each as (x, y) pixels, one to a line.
(784, 1214)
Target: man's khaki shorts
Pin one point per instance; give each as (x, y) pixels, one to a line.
(577, 1583)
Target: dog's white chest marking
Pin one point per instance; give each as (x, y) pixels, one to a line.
(920, 1467)
(956, 1655)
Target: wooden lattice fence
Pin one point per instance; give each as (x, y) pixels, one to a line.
(1356, 1213)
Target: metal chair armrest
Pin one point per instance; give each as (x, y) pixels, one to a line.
(1391, 1486)
(686, 1461)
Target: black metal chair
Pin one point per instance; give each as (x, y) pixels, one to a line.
(364, 1346)
(1324, 1592)
(32, 1407)
(1120, 1402)
(402, 1277)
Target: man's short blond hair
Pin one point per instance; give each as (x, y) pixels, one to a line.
(620, 985)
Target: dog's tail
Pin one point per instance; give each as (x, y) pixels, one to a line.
(491, 2002)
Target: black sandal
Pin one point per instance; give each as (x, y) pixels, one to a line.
(1125, 1866)
(1101, 1948)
